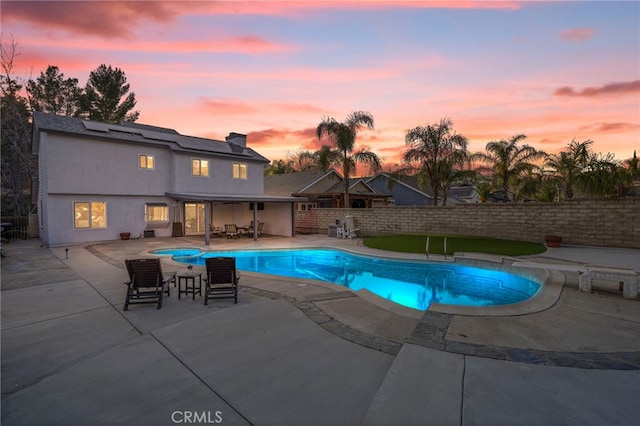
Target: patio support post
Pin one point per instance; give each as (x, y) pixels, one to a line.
(255, 220)
(207, 222)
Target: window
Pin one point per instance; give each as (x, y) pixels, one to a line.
(239, 171)
(158, 212)
(89, 215)
(306, 206)
(146, 162)
(199, 167)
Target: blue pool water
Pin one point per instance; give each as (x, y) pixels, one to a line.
(412, 284)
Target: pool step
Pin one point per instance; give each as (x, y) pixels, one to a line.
(422, 386)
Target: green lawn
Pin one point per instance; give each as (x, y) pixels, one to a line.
(455, 243)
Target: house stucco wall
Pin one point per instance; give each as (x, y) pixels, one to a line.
(96, 166)
(220, 179)
(124, 214)
(610, 223)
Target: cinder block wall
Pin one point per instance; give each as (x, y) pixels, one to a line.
(610, 223)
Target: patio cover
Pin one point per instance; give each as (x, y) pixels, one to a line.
(242, 198)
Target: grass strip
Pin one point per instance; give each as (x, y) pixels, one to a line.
(416, 243)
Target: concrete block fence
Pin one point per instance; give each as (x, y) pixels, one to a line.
(608, 223)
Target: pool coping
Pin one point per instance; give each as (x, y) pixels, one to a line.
(432, 325)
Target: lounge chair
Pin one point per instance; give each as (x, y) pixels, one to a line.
(147, 283)
(231, 230)
(222, 279)
(252, 229)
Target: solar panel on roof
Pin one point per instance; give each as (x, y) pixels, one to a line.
(166, 137)
(98, 127)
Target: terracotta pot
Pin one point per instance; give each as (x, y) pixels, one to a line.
(553, 240)
(125, 235)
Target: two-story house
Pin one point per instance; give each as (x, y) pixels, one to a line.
(97, 180)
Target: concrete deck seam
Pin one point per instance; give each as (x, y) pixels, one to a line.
(54, 318)
(64, 366)
(199, 378)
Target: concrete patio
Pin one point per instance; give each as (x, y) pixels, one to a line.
(302, 352)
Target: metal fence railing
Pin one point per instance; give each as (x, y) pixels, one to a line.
(14, 227)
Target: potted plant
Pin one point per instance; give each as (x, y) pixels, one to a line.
(125, 235)
(553, 240)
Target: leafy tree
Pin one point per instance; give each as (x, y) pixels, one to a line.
(437, 153)
(298, 162)
(632, 164)
(18, 164)
(341, 152)
(569, 164)
(278, 167)
(54, 94)
(604, 176)
(303, 160)
(102, 98)
(507, 161)
(537, 185)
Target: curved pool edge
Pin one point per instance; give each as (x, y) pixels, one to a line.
(551, 282)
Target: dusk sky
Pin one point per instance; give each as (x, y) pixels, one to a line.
(553, 71)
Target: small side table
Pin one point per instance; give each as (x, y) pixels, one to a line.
(189, 277)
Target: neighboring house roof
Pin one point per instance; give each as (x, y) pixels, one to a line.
(311, 181)
(314, 182)
(360, 186)
(141, 133)
(465, 191)
(410, 182)
(458, 194)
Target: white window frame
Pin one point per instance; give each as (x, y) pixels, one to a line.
(147, 157)
(91, 219)
(200, 161)
(238, 169)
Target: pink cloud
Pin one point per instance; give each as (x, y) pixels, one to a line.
(577, 34)
(247, 44)
(611, 127)
(112, 19)
(607, 89)
(224, 107)
(293, 8)
(119, 19)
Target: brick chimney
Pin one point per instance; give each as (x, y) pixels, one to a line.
(237, 139)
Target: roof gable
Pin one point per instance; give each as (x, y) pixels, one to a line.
(291, 183)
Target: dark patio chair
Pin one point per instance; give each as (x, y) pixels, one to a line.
(252, 229)
(231, 230)
(146, 282)
(222, 279)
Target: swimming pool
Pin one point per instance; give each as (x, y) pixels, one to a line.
(409, 283)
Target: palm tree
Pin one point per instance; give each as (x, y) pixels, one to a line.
(343, 139)
(569, 164)
(484, 191)
(508, 161)
(434, 152)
